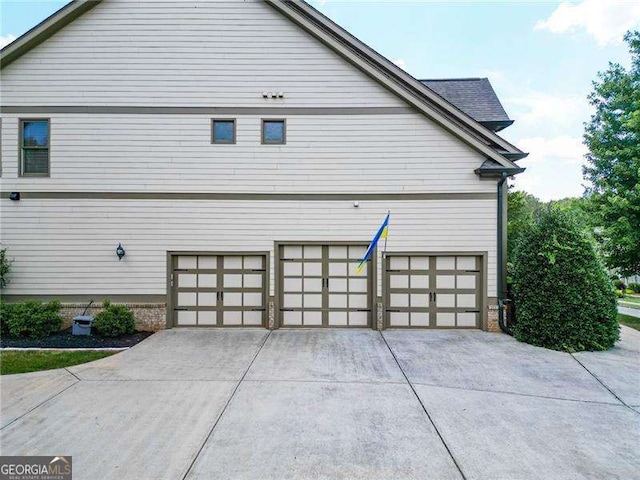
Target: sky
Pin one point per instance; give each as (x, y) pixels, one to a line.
(541, 58)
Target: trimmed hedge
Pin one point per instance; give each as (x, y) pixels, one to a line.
(564, 297)
(114, 320)
(30, 319)
(635, 287)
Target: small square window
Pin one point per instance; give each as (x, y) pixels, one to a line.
(34, 147)
(223, 131)
(274, 132)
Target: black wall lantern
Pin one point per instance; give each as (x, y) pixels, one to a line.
(120, 252)
(14, 196)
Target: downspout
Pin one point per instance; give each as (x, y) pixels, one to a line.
(502, 251)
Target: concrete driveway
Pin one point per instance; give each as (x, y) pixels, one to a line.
(209, 404)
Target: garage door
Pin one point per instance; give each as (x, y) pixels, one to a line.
(219, 290)
(319, 286)
(425, 291)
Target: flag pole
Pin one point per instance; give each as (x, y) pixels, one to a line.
(384, 253)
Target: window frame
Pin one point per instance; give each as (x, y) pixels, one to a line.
(213, 131)
(284, 132)
(21, 147)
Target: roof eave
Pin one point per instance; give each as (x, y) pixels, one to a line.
(498, 172)
(391, 69)
(399, 82)
(44, 30)
(496, 125)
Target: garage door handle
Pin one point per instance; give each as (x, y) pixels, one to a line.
(258, 309)
(180, 309)
(472, 311)
(472, 271)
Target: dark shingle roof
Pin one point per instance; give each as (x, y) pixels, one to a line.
(475, 97)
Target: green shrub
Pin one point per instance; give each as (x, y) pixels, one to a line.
(5, 268)
(619, 294)
(628, 291)
(114, 320)
(4, 312)
(31, 319)
(619, 284)
(563, 295)
(635, 287)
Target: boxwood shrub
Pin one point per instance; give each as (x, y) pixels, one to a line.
(30, 319)
(114, 320)
(564, 297)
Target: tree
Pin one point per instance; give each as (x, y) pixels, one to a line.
(521, 209)
(564, 298)
(613, 161)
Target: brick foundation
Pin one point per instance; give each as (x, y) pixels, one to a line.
(149, 317)
(272, 314)
(492, 319)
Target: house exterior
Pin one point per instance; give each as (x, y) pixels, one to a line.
(243, 154)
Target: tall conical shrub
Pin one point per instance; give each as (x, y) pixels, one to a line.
(564, 297)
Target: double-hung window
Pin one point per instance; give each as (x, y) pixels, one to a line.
(34, 147)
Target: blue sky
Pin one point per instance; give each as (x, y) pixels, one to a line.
(541, 58)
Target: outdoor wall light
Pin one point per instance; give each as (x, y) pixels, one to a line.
(120, 252)
(14, 196)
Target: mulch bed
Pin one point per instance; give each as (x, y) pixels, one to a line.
(64, 339)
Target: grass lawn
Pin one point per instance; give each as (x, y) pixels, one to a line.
(33, 361)
(629, 321)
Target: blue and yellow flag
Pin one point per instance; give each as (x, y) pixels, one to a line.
(383, 231)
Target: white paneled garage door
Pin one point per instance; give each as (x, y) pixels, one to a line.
(319, 286)
(433, 291)
(219, 290)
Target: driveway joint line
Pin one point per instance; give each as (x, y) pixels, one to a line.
(70, 372)
(40, 404)
(424, 408)
(224, 409)
(505, 392)
(604, 385)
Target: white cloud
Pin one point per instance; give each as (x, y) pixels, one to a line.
(564, 148)
(401, 63)
(605, 20)
(554, 167)
(6, 40)
(536, 109)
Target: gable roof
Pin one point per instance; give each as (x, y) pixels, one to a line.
(370, 62)
(475, 97)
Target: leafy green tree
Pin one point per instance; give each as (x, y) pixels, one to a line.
(613, 161)
(563, 295)
(521, 209)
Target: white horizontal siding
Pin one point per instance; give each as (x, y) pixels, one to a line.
(186, 53)
(68, 246)
(324, 154)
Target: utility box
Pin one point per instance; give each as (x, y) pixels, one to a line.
(81, 325)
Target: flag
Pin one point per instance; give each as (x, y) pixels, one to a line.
(383, 231)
